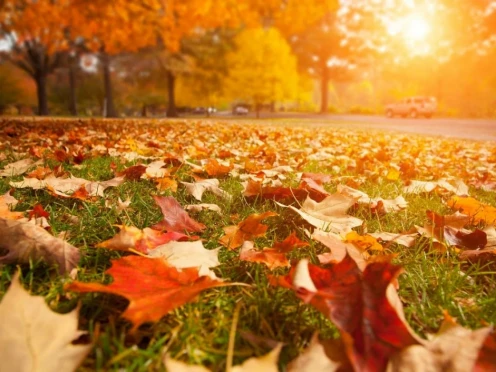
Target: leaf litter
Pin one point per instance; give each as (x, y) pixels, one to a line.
(168, 263)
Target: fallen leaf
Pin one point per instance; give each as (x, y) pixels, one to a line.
(67, 187)
(152, 287)
(175, 217)
(19, 167)
(34, 338)
(370, 327)
(380, 204)
(478, 211)
(255, 188)
(196, 189)
(363, 242)
(6, 203)
(407, 240)
(339, 249)
(456, 186)
(486, 360)
(321, 356)
(216, 169)
(330, 214)
(25, 241)
(289, 244)
(453, 348)
(265, 363)
(166, 183)
(465, 239)
(38, 211)
(269, 256)
(188, 254)
(139, 240)
(247, 229)
(203, 206)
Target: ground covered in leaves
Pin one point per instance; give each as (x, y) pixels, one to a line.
(241, 246)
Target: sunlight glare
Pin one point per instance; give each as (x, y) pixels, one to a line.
(416, 28)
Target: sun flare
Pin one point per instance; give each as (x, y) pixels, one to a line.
(416, 28)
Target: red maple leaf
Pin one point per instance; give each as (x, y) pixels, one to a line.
(38, 212)
(175, 217)
(152, 287)
(357, 304)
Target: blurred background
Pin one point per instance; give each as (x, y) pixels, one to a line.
(158, 58)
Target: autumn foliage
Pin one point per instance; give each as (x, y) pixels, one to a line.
(246, 238)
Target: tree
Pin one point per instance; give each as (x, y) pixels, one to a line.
(35, 29)
(114, 27)
(262, 69)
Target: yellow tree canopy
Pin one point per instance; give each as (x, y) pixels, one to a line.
(262, 69)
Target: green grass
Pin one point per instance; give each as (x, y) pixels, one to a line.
(199, 332)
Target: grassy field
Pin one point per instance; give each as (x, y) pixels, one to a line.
(436, 276)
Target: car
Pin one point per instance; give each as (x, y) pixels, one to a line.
(240, 110)
(412, 107)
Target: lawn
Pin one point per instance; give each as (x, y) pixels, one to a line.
(276, 195)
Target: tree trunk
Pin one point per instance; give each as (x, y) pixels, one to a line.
(41, 91)
(110, 111)
(257, 110)
(324, 90)
(72, 86)
(171, 85)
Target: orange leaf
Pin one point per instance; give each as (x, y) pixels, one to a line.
(152, 287)
(478, 211)
(269, 256)
(247, 229)
(140, 240)
(215, 169)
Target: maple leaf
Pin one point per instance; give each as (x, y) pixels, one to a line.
(34, 338)
(407, 240)
(364, 243)
(140, 240)
(38, 212)
(133, 173)
(152, 287)
(326, 356)
(19, 167)
(203, 206)
(26, 241)
(339, 249)
(371, 328)
(330, 214)
(472, 207)
(456, 186)
(67, 187)
(247, 229)
(6, 203)
(197, 189)
(376, 204)
(265, 363)
(188, 254)
(486, 360)
(453, 348)
(175, 217)
(269, 256)
(315, 190)
(216, 169)
(255, 188)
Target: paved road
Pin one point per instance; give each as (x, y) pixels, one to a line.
(476, 129)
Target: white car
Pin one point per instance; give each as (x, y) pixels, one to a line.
(240, 110)
(413, 107)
